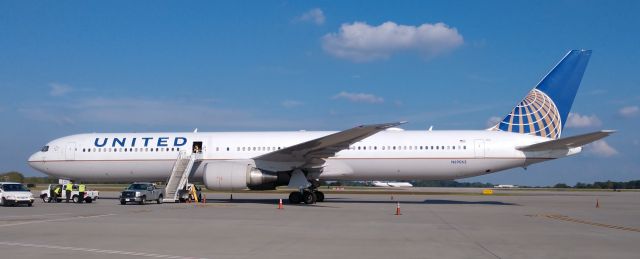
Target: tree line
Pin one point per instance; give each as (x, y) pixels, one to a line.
(602, 185)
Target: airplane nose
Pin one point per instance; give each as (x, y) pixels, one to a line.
(34, 161)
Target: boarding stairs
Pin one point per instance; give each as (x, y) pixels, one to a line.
(182, 169)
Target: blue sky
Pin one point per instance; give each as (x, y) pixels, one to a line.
(69, 67)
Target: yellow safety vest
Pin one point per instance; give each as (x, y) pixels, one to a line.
(81, 188)
(57, 190)
(68, 187)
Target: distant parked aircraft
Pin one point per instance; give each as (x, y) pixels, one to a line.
(391, 184)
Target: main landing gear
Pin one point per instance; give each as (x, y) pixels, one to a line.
(308, 196)
(308, 190)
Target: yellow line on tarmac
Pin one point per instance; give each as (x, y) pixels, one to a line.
(569, 219)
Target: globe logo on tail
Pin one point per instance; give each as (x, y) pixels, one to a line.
(537, 115)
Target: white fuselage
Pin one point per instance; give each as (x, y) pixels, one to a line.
(388, 155)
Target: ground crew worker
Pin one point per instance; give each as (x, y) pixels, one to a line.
(67, 188)
(81, 188)
(56, 193)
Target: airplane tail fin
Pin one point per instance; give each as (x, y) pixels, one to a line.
(544, 111)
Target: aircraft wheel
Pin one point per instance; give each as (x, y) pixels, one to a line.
(295, 197)
(309, 197)
(319, 196)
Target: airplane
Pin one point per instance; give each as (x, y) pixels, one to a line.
(530, 133)
(391, 184)
(505, 186)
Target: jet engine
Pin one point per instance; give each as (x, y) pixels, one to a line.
(232, 176)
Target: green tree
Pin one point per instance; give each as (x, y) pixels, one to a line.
(12, 177)
(561, 185)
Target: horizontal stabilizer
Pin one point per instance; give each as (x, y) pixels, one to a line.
(570, 142)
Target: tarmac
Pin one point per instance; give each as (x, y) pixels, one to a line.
(508, 224)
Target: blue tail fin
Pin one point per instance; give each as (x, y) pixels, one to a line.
(544, 111)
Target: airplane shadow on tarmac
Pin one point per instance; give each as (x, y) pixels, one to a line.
(346, 200)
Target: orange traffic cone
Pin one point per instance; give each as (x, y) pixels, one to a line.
(280, 207)
(204, 198)
(597, 203)
(398, 209)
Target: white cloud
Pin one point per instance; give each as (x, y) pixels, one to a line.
(359, 97)
(59, 89)
(629, 111)
(362, 42)
(493, 120)
(46, 115)
(146, 112)
(290, 103)
(601, 148)
(314, 15)
(575, 120)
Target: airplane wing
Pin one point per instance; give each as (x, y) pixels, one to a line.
(312, 153)
(570, 142)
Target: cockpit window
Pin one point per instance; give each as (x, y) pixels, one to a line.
(45, 149)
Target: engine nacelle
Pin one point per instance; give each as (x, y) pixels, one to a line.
(232, 176)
